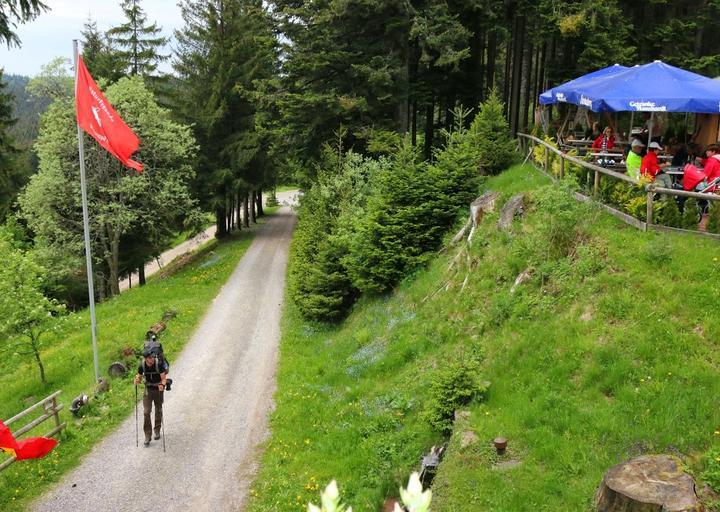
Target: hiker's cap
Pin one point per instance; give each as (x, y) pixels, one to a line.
(654, 145)
(637, 144)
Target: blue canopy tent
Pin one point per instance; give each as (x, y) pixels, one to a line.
(653, 87)
(566, 92)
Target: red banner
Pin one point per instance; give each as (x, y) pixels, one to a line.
(98, 118)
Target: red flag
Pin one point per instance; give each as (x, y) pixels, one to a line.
(96, 116)
(33, 448)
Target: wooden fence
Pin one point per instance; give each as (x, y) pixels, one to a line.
(528, 142)
(51, 409)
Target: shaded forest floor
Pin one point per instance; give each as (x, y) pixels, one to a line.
(608, 350)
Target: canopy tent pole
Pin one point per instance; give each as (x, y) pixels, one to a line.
(632, 122)
(650, 128)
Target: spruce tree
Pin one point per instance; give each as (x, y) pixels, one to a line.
(101, 59)
(139, 43)
(13, 12)
(496, 146)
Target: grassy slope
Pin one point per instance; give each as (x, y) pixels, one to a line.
(611, 353)
(122, 322)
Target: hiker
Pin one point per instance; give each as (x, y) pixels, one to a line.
(155, 378)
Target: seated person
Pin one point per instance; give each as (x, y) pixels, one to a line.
(650, 167)
(605, 141)
(634, 158)
(712, 164)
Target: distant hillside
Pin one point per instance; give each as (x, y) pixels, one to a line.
(606, 350)
(26, 110)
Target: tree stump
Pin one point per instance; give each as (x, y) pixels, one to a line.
(478, 208)
(117, 369)
(513, 206)
(651, 483)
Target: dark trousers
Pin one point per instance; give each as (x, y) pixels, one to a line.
(152, 396)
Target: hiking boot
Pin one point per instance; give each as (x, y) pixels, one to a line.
(147, 442)
(157, 435)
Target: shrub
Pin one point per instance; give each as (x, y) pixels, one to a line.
(711, 474)
(691, 214)
(405, 217)
(318, 280)
(495, 145)
(453, 386)
(714, 220)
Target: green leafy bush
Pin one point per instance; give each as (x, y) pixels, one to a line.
(453, 386)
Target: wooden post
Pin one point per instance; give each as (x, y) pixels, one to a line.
(547, 159)
(562, 166)
(56, 413)
(650, 194)
(596, 188)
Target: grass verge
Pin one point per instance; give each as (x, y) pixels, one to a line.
(122, 322)
(606, 351)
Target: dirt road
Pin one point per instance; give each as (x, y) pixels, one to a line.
(216, 413)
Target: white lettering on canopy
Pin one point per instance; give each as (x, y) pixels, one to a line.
(585, 101)
(560, 96)
(648, 106)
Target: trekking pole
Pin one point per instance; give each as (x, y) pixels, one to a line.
(137, 442)
(162, 425)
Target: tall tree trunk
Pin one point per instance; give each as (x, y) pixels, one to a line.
(141, 275)
(516, 82)
(429, 128)
(246, 210)
(491, 56)
(220, 223)
(253, 205)
(238, 206)
(260, 210)
(114, 263)
(528, 81)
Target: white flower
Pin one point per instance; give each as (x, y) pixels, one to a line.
(413, 497)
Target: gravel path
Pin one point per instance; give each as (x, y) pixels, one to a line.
(216, 413)
(289, 198)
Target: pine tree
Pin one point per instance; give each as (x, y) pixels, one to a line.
(139, 43)
(17, 11)
(496, 147)
(101, 59)
(225, 48)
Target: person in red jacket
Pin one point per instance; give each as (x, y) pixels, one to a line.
(650, 166)
(605, 141)
(712, 163)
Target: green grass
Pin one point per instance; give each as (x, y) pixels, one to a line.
(122, 322)
(607, 352)
(285, 188)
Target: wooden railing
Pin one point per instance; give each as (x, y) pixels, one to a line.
(51, 409)
(528, 142)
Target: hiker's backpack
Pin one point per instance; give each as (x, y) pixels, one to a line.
(154, 347)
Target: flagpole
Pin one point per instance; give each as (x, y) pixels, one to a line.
(86, 228)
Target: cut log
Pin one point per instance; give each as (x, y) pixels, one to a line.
(514, 206)
(651, 483)
(157, 328)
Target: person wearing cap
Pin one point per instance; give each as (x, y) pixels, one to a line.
(155, 379)
(650, 167)
(634, 158)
